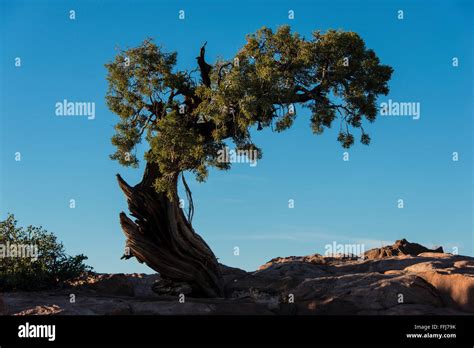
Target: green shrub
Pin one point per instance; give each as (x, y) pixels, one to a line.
(32, 259)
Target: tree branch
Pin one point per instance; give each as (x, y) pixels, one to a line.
(204, 67)
(146, 124)
(190, 199)
(220, 71)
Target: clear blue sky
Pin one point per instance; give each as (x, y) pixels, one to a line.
(345, 202)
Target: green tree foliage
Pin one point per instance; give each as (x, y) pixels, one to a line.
(186, 119)
(46, 269)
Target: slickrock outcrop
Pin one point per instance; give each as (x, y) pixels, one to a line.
(389, 281)
(401, 247)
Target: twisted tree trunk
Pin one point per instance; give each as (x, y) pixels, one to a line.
(162, 237)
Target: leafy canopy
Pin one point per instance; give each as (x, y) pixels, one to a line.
(186, 118)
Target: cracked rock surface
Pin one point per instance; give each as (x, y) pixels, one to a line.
(402, 279)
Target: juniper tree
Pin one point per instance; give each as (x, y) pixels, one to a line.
(186, 117)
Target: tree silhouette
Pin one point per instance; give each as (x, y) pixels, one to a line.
(186, 120)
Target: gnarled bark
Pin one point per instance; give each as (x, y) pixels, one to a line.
(162, 237)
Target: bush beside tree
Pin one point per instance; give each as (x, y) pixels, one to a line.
(49, 266)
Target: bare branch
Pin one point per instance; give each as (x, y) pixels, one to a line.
(220, 72)
(204, 67)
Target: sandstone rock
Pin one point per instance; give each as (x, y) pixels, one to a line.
(401, 247)
(167, 287)
(414, 281)
(118, 284)
(437, 255)
(315, 258)
(41, 310)
(452, 276)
